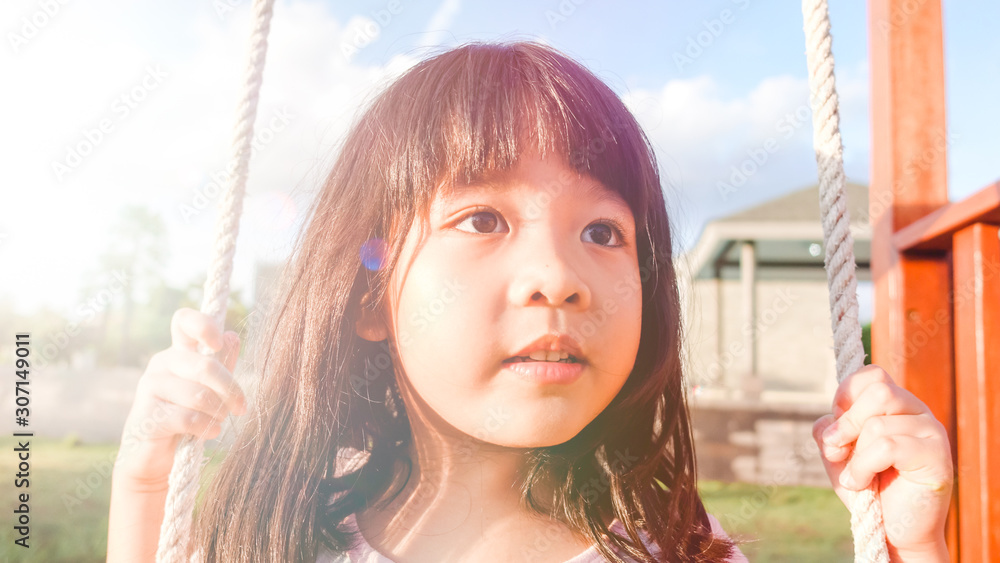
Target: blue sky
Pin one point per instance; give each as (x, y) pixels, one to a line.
(742, 86)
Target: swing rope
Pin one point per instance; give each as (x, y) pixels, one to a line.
(189, 459)
(866, 511)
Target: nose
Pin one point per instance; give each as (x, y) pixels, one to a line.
(547, 273)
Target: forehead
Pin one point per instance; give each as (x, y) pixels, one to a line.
(581, 188)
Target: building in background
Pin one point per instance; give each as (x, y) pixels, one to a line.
(759, 347)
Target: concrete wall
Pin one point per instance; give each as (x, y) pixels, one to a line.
(765, 438)
(750, 444)
(794, 340)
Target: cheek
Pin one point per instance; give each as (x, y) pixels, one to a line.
(622, 303)
(439, 319)
(431, 302)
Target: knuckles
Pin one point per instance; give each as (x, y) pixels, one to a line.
(883, 393)
(874, 427)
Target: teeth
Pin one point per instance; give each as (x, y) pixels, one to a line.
(543, 356)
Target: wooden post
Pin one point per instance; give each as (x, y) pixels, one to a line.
(912, 320)
(748, 284)
(977, 354)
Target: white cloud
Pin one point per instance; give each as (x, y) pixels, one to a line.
(71, 77)
(701, 135)
(165, 149)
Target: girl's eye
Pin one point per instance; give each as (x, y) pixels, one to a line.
(482, 222)
(603, 233)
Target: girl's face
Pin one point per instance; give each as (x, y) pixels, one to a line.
(540, 251)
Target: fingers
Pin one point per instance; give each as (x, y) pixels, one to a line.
(834, 459)
(908, 454)
(865, 394)
(877, 425)
(188, 328)
(916, 425)
(178, 420)
(190, 395)
(187, 365)
(854, 384)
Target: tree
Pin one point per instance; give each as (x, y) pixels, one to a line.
(137, 251)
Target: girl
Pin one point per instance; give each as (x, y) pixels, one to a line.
(476, 355)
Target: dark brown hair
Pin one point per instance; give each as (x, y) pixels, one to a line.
(457, 117)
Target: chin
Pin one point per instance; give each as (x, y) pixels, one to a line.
(537, 434)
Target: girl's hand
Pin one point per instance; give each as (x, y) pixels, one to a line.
(181, 392)
(896, 441)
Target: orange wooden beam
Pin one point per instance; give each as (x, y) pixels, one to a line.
(934, 232)
(977, 355)
(912, 317)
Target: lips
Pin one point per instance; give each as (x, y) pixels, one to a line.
(551, 342)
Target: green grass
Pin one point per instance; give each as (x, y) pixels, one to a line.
(69, 517)
(71, 486)
(782, 523)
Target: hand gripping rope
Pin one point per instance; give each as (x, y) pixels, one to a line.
(866, 514)
(188, 461)
(866, 511)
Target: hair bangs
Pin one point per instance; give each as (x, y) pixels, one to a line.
(493, 103)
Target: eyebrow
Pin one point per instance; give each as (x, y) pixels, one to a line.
(592, 189)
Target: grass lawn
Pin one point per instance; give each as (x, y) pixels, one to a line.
(782, 523)
(70, 487)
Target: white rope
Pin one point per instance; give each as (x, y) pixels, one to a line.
(188, 460)
(866, 510)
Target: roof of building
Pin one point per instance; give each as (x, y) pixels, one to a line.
(787, 235)
(802, 205)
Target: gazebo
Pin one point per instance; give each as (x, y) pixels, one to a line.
(757, 326)
(755, 284)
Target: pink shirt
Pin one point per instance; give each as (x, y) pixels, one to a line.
(364, 553)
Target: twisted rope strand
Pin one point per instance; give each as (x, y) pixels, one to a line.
(866, 510)
(189, 460)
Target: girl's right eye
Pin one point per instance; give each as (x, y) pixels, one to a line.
(483, 221)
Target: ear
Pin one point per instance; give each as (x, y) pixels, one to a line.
(370, 323)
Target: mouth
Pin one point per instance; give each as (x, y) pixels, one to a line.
(561, 369)
(570, 360)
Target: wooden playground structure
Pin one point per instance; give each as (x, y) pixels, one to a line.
(936, 266)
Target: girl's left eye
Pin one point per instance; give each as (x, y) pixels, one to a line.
(605, 231)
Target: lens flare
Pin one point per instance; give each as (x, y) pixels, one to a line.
(373, 253)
